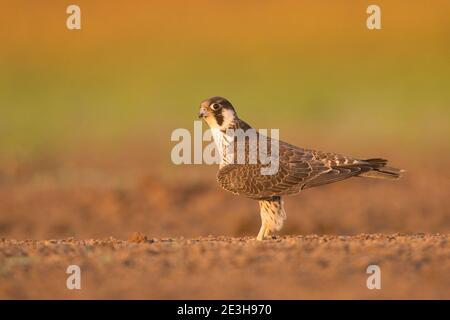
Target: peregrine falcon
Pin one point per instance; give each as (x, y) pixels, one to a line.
(298, 168)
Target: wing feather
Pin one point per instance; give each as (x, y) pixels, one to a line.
(298, 169)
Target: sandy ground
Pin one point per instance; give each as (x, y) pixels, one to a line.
(198, 239)
(412, 266)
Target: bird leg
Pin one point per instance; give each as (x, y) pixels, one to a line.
(262, 232)
(267, 233)
(272, 217)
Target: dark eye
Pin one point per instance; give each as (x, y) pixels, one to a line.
(215, 106)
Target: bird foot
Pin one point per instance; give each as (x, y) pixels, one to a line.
(264, 234)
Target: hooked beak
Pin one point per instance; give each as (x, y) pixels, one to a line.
(202, 112)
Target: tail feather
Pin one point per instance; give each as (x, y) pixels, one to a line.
(381, 171)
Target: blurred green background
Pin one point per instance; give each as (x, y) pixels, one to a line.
(310, 68)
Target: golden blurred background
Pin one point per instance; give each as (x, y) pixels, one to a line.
(310, 68)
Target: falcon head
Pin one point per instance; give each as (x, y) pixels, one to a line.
(218, 112)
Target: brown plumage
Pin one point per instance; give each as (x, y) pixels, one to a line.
(298, 168)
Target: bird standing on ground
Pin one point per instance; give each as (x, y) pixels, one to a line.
(298, 168)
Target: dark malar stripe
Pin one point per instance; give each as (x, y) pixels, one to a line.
(219, 117)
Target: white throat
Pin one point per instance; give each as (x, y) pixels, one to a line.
(223, 144)
(221, 139)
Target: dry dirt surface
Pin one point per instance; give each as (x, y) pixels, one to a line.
(292, 267)
(402, 226)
